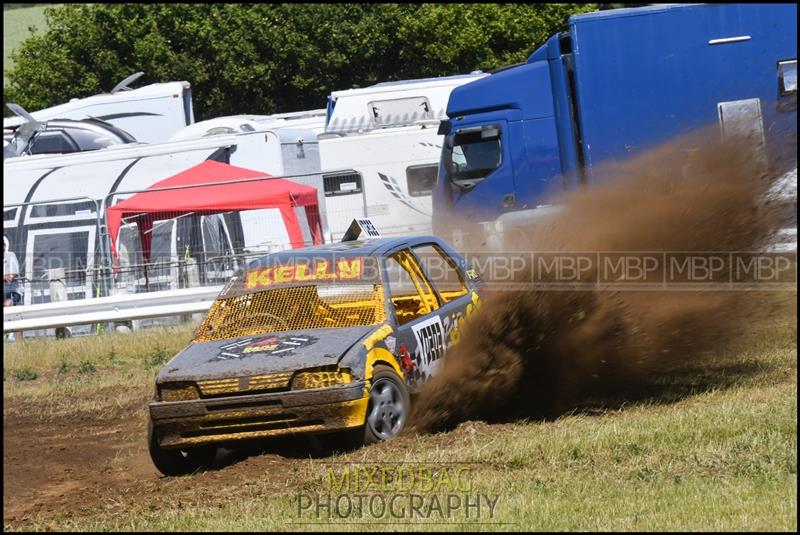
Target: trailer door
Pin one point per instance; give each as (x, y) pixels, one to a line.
(70, 249)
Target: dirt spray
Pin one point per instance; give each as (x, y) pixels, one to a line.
(536, 351)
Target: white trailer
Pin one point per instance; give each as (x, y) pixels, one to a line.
(386, 135)
(151, 114)
(379, 150)
(312, 120)
(45, 235)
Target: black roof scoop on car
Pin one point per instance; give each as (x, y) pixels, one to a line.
(361, 228)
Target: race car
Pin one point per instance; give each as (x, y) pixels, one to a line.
(328, 339)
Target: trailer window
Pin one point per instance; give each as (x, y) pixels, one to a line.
(67, 250)
(86, 208)
(470, 155)
(130, 254)
(213, 237)
(216, 249)
(53, 143)
(92, 140)
(346, 183)
(421, 179)
(161, 249)
(400, 111)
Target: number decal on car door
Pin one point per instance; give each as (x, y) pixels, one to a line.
(430, 344)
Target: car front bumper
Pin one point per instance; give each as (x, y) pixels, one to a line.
(181, 424)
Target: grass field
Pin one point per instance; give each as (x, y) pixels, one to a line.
(15, 29)
(719, 452)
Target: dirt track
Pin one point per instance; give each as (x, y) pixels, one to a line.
(91, 469)
(75, 466)
(49, 464)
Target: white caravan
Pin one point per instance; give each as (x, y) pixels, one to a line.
(284, 123)
(386, 135)
(379, 150)
(151, 114)
(313, 120)
(45, 235)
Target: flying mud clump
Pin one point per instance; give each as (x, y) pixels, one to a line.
(538, 351)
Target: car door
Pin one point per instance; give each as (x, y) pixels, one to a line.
(419, 343)
(454, 293)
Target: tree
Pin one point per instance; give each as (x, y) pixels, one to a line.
(603, 7)
(458, 38)
(269, 58)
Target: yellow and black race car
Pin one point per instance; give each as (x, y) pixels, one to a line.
(315, 340)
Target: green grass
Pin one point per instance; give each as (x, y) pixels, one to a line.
(723, 457)
(721, 461)
(15, 30)
(94, 374)
(25, 374)
(105, 351)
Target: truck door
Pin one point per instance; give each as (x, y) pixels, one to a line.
(477, 165)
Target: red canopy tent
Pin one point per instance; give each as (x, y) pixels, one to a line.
(203, 199)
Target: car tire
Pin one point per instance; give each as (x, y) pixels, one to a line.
(389, 406)
(178, 462)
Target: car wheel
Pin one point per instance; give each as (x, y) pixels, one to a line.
(178, 462)
(389, 406)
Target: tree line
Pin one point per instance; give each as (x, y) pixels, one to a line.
(270, 58)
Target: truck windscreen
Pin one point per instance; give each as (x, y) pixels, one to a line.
(471, 154)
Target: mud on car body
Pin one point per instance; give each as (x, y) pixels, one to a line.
(325, 339)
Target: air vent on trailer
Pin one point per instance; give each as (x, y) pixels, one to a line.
(346, 183)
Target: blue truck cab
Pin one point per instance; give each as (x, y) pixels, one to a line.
(614, 84)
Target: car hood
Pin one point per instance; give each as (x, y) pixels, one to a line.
(262, 354)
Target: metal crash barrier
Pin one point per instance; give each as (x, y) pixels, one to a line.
(109, 309)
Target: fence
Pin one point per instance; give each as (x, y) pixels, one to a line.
(55, 239)
(182, 245)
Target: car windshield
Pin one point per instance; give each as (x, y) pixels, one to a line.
(293, 308)
(296, 296)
